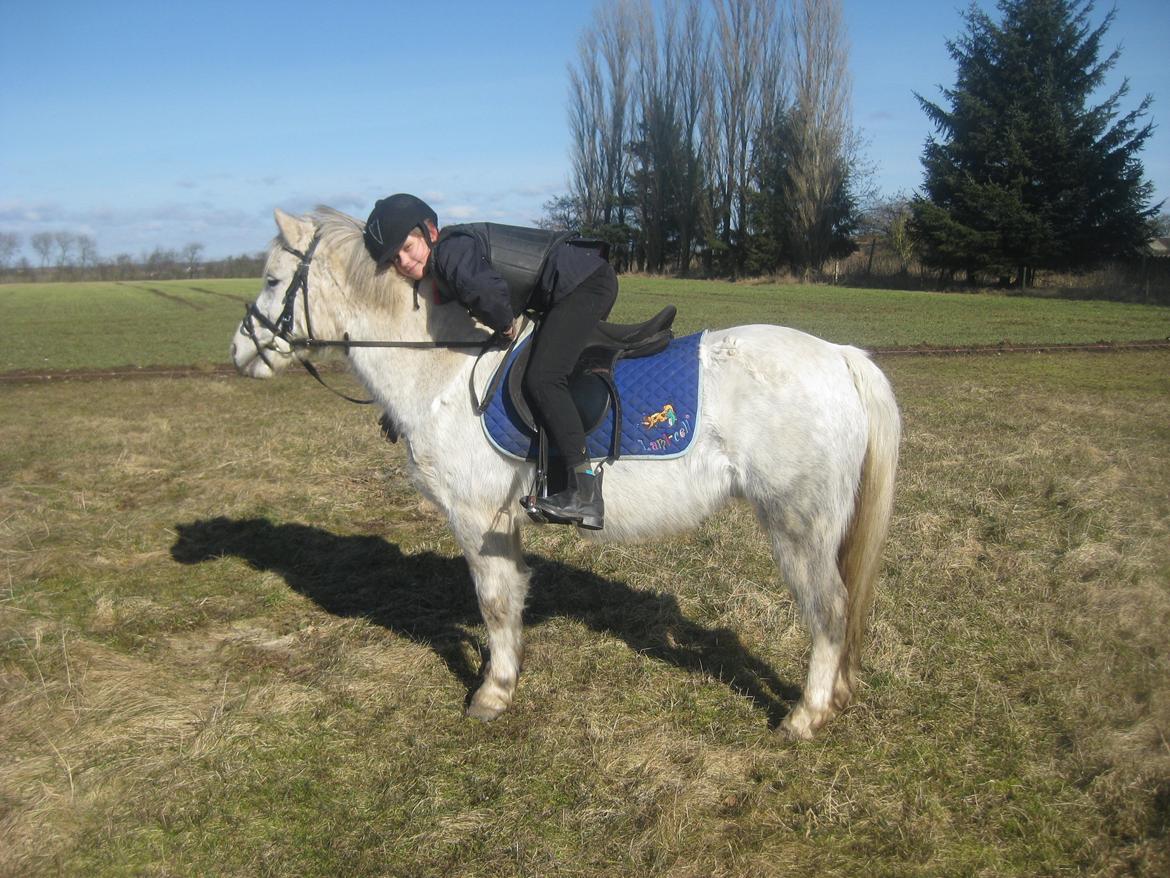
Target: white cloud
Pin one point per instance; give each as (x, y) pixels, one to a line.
(461, 211)
(233, 219)
(17, 213)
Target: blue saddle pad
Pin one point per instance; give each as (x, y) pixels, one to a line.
(660, 408)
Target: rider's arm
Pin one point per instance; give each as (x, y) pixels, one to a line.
(473, 281)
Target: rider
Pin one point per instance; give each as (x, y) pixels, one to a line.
(497, 272)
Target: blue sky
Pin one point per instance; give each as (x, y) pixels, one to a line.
(150, 124)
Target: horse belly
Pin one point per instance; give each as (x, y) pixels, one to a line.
(651, 498)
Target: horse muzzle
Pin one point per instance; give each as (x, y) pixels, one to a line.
(259, 354)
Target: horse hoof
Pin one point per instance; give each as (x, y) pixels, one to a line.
(483, 712)
(793, 733)
(801, 724)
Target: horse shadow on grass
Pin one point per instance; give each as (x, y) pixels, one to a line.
(430, 599)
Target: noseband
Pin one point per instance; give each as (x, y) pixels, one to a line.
(282, 328)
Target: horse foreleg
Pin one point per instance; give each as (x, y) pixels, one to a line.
(501, 584)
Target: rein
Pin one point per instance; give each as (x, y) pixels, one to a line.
(282, 328)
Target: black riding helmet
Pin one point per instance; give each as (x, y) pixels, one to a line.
(391, 220)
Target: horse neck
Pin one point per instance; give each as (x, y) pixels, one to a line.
(408, 382)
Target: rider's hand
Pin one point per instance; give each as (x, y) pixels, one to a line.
(510, 332)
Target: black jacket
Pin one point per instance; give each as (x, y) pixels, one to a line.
(463, 269)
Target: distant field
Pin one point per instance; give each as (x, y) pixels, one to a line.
(180, 323)
(889, 318)
(139, 323)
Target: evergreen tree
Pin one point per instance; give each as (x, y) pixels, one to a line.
(1025, 174)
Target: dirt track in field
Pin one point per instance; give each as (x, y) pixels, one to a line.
(35, 376)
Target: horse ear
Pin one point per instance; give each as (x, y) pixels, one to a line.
(296, 231)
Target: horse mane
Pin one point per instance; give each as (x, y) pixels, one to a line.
(342, 234)
(367, 288)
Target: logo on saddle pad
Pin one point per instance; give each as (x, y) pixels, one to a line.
(666, 416)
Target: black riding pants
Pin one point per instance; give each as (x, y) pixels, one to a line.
(559, 342)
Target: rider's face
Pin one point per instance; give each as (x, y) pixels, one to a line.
(411, 261)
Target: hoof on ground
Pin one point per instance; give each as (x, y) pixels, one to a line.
(792, 733)
(802, 723)
(483, 712)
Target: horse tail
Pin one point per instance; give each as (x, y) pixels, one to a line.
(859, 555)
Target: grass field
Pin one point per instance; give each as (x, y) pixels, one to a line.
(152, 323)
(233, 641)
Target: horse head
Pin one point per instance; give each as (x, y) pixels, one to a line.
(322, 290)
(263, 342)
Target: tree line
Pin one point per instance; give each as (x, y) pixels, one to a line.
(63, 255)
(716, 136)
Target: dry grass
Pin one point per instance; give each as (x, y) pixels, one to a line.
(233, 641)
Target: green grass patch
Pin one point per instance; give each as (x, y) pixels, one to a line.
(137, 323)
(889, 318)
(179, 323)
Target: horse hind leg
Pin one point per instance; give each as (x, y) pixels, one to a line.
(501, 585)
(810, 569)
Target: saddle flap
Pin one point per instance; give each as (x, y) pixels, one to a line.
(631, 338)
(608, 343)
(591, 393)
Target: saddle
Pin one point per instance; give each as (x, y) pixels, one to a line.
(592, 387)
(591, 382)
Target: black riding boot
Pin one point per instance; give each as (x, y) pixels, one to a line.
(580, 503)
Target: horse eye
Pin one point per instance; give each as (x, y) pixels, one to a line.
(271, 281)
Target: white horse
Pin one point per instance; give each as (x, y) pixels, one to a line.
(804, 430)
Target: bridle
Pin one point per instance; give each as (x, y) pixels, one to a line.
(282, 328)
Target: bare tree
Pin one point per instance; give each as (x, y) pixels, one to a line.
(820, 140)
(666, 172)
(885, 220)
(9, 247)
(653, 164)
(586, 111)
(65, 242)
(87, 254)
(692, 51)
(42, 242)
(560, 214)
(161, 263)
(191, 254)
(724, 122)
(123, 266)
(599, 119)
(616, 30)
(743, 28)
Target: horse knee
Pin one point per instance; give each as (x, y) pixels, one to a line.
(497, 610)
